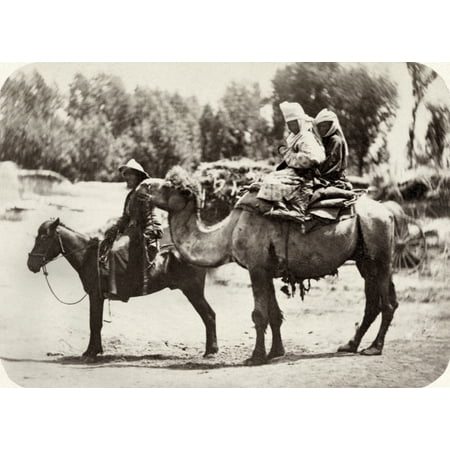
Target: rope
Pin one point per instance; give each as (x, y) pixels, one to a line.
(45, 272)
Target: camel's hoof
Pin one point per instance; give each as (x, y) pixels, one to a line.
(348, 348)
(211, 352)
(276, 353)
(256, 361)
(90, 356)
(371, 351)
(89, 359)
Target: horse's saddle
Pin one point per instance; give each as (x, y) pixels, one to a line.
(327, 205)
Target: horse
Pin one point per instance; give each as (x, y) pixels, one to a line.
(169, 271)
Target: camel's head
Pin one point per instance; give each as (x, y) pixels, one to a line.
(174, 192)
(46, 246)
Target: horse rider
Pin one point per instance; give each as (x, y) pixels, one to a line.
(136, 247)
(290, 186)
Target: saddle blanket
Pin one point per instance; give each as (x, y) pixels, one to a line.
(321, 210)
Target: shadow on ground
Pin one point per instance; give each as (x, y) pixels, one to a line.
(173, 362)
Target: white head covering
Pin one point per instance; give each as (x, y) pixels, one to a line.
(292, 111)
(134, 165)
(328, 116)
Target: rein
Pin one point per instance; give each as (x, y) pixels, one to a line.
(45, 272)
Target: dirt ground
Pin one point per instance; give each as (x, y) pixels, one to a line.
(158, 340)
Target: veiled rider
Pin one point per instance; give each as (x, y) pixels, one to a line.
(290, 186)
(336, 149)
(134, 239)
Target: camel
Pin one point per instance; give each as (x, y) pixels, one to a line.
(81, 252)
(270, 248)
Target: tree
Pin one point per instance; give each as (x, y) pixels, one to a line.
(365, 105)
(91, 144)
(103, 96)
(165, 130)
(237, 129)
(421, 78)
(363, 101)
(241, 106)
(437, 135)
(209, 130)
(30, 112)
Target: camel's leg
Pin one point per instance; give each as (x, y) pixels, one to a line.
(372, 307)
(95, 325)
(263, 294)
(377, 233)
(195, 294)
(275, 321)
(389, 304)
(371, 311)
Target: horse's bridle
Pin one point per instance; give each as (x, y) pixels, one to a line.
(45, 261)
(44, 255)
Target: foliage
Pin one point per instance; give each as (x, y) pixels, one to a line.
(437, 136)
(89, 134)
(421, 78)
(237, 129)
(28, 120)
(103, 96)
(363, 102)
(89, 131)
(165, 131)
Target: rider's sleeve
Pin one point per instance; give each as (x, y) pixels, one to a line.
(152, 225)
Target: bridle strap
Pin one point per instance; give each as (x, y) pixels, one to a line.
(60, 243)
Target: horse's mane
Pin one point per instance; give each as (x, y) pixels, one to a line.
(91, 239)
(178, 178)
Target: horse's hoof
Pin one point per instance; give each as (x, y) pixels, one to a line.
(256, 361)
(348, 348)
(210, 355)
(371, 351)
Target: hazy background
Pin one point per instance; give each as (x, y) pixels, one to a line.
(185, 113)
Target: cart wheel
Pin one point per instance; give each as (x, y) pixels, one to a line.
(410, 246)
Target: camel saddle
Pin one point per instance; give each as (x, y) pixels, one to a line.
(327, 205)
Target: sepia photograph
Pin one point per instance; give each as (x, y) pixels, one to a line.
(224, 225)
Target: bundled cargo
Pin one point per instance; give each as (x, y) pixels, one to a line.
(222, 182)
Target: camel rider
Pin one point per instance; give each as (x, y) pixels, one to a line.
(293, 180)
(336, 150)
(136, 248)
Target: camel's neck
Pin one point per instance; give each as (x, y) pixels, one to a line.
(75, 246)
(198, 244)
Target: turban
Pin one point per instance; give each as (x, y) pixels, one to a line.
(292, 111)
